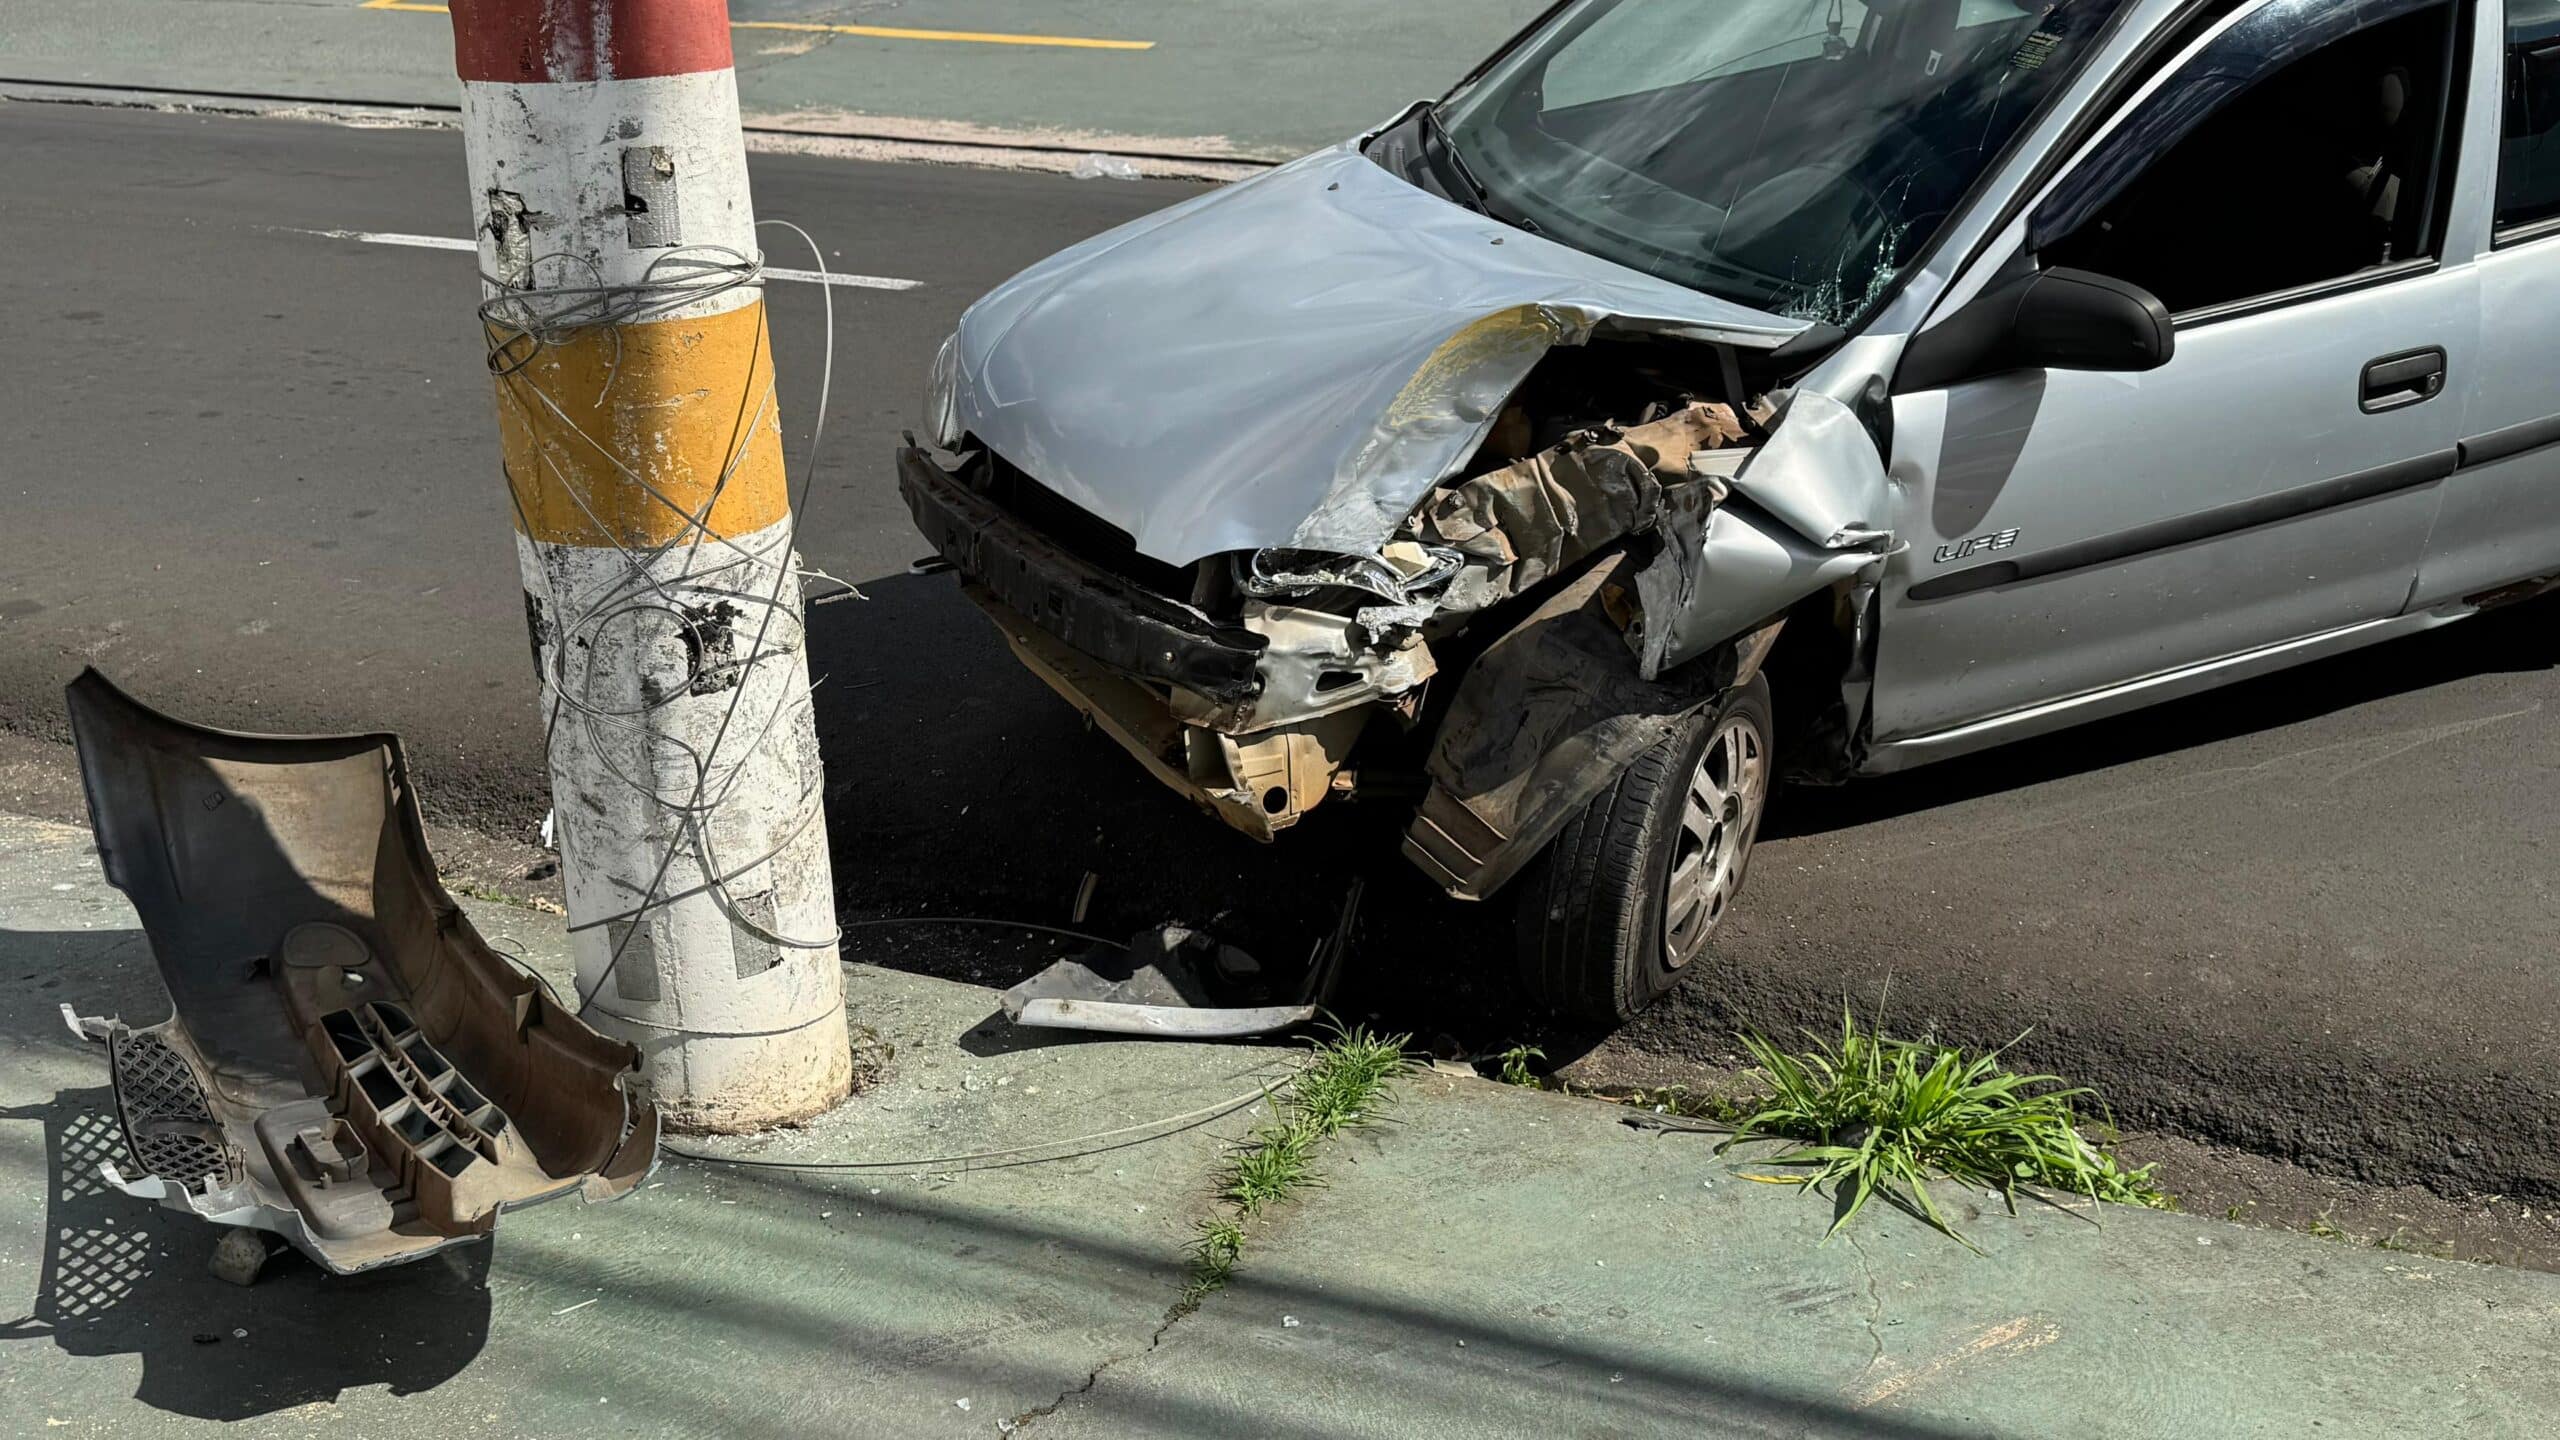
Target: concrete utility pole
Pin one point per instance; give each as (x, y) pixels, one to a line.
(643, 453)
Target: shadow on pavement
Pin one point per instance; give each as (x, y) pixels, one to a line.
(1490, 1368)
(960, 785)
(121, 1276)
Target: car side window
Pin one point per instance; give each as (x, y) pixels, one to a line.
(2307, 143)
(2529, 140)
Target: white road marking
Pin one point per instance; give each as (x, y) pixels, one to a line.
(772, 272)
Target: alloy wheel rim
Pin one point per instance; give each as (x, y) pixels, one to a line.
(1718, 818)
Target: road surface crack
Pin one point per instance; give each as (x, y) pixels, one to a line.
(1173, 1316)
(1875, 1301)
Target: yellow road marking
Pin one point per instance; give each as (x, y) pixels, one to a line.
(876, 32)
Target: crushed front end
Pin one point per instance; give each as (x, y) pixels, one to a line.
(1321, 485)
(1222, 687)
(1248, 679)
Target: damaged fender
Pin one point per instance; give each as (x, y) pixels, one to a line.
(348, 1064)
(1813, 505)
(1821, 473)
(1542, 720)
(1595, 676)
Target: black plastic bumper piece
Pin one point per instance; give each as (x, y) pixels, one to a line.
(1099, 614)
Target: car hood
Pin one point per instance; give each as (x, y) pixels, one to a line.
(1291, 361)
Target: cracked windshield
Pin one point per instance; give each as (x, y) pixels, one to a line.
(1790, 155)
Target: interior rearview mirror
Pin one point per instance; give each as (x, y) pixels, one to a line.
(2051, 319)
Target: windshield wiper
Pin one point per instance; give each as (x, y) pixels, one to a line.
(1480, 199)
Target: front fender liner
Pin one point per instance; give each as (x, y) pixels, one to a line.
(1543, 719)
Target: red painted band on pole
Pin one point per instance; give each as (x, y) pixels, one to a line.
(530, 42)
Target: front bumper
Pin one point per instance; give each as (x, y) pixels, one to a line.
(1093, 611)
(1179, 691)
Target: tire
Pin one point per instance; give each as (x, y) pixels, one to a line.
(1602, 933)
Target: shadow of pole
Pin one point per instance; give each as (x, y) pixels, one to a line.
(121, 1277)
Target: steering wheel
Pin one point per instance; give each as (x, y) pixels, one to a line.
(1821, 208)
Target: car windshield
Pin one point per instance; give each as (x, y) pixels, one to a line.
(1789, 155)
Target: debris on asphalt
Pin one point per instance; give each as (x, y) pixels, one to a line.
(1171, 981)
(1105, 167)
(1178, 982)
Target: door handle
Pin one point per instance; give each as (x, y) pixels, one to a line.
(2402, 379)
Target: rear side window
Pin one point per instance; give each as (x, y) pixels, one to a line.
(2304, 145)
(2529, 142)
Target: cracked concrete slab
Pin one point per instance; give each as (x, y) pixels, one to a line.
(1500, 1257)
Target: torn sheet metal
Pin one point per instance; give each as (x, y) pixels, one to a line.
(1313, 663)
(1178, 983)
(1819, 472)
(348, 1065)
(1540, 724)
(1260, 783)
(1292, 361)
(1720, 572)
(1530, 521)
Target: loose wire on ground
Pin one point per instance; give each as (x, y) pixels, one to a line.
(1168, 1126)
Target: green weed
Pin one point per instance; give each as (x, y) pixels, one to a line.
(1872, 1115)
(1346, 1083)
(1517, 1068)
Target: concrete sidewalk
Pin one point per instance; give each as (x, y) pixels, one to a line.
(1206, 78)
(1491, 1261)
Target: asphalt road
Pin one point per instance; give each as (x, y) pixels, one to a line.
(250, 471)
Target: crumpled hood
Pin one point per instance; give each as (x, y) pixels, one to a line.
(1291, 361)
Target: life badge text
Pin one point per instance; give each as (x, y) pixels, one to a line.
(1996, 540)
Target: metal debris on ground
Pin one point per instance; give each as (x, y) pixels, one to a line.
(1105, 167)
(1176, 982)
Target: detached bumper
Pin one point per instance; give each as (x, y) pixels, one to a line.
(1094, 612)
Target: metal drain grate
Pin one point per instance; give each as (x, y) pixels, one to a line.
(166, 1124)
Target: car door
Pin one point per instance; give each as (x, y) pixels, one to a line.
(2283, 187)
(2500, 520)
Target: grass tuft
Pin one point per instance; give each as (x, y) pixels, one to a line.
(1874, 1116)
(1346, 1083)
(1520, 1067)
(1215, 1249)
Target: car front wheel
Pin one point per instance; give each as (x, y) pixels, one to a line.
(1633, 888)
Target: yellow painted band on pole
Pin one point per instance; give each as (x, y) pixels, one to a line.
(876, 32)
(622, 435)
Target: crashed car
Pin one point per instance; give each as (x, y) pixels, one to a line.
(1707, 393)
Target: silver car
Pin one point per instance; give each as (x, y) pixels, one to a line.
(1707, 392)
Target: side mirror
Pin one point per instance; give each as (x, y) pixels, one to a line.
(2050, 319)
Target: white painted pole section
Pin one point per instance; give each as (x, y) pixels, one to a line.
(643, 458)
